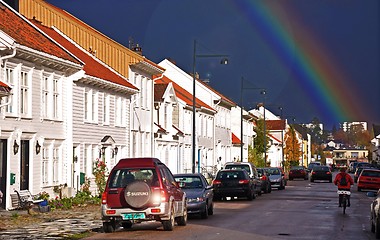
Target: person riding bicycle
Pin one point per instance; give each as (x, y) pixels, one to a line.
(344, 182)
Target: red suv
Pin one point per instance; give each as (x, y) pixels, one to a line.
(142, 189)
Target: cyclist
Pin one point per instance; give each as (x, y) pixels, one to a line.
(343, 185)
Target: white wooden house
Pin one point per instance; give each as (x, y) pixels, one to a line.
(33, 119)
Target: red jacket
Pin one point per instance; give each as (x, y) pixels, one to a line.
(349, 179)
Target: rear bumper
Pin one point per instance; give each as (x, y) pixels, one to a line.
(231, 192)
(161, 212)
(196, 207)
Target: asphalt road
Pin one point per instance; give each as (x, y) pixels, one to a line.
(304, 210)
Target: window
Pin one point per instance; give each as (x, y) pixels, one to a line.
(56, 98)
(120, 109)
(24, 93)
(90, 106)
(106, 109)
(9, 79)
(45, 96)
(45, 166)
(55, 165)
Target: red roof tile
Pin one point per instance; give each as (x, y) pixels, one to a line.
(93, 67)
(27, 35)
(183, 94)
(159, 90)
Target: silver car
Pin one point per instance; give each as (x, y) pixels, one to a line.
(277, 177)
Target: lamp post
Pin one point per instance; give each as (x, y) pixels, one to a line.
(195, 56)
(263, 92)
(241, 114)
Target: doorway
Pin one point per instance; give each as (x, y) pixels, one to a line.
(3, 171)
(24, 165)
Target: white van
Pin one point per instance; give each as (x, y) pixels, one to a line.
(249, 167)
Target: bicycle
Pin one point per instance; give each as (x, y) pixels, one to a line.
(344, 199)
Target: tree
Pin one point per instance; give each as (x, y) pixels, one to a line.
(292, 148)
(254, 157)
(259, 140)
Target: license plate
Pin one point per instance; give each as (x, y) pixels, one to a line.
(132, 216)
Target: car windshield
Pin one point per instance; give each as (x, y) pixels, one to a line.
(122, 177)
(371, 173)
(274, 171)
(189, 181)
(230, 175)
(238, 166)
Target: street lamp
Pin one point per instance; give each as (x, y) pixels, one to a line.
(224, 61)
(263, 92)
(241, 115)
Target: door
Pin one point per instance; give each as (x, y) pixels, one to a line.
(24, 165)
(3, 171)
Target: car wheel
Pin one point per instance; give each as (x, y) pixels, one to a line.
(169, 224)
(108, 227)
(259, 192)
(211, 209)
(306, 178)
(290, 179)
(126, 225)
(311, 180)
(204, 214)
(251, 195)
(359, 189)
(182, 220)
(269, 188)
(372, 224)
(330, 180)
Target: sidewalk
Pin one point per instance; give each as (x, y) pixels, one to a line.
(58, 224)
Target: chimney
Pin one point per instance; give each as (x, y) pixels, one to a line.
(137, 49)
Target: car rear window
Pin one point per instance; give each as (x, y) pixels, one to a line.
(297, 168)
(274, 171)
(321, 168)
(371, 173)
(239, 166)
(231, 175)
(122, 177)
(189, 182)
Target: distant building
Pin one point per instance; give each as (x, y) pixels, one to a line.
(347, 125)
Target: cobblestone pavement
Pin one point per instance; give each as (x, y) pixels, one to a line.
(55, 228)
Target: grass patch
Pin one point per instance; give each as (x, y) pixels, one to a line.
(78, 236)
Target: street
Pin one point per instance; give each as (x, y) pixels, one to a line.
(304, 210)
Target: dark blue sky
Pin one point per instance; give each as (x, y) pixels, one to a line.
(267, 43)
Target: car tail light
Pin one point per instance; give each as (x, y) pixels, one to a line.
(263, 178)
(104, 197)
(216, 182)
(328, 173)
(243, 181)
(155, 210)
(313, 172)
(159, 195)
(109, 212)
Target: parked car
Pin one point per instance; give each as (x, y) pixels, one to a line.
(199, 193)
(359, 171)
(277, 177)
(369, 179)
(298, 172)
(265, 181)
(235, 183)
(321, 173)
(311, 165)
(142, 189)
(247, 166)
(375, 213)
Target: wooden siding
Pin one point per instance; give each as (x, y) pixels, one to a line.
(109, 51)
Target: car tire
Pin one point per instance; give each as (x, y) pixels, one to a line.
(372, 224)
(126, 225)
(211, 209)
(290, 179)
(251, 195)
(182, 220)
(204, 214)
(269, 188)
(311, 180)
(359, 189)
(169, 224)
(108, 227)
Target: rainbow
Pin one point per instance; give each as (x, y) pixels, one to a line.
(313, 67)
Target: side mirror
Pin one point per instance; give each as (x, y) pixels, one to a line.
(371, 194)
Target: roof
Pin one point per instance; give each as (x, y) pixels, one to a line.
(93, 66)
(235, 139)
(224, 99)
(183, 94)
(26, 34)
(376, 130)
(159, 90)
(4, 89)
